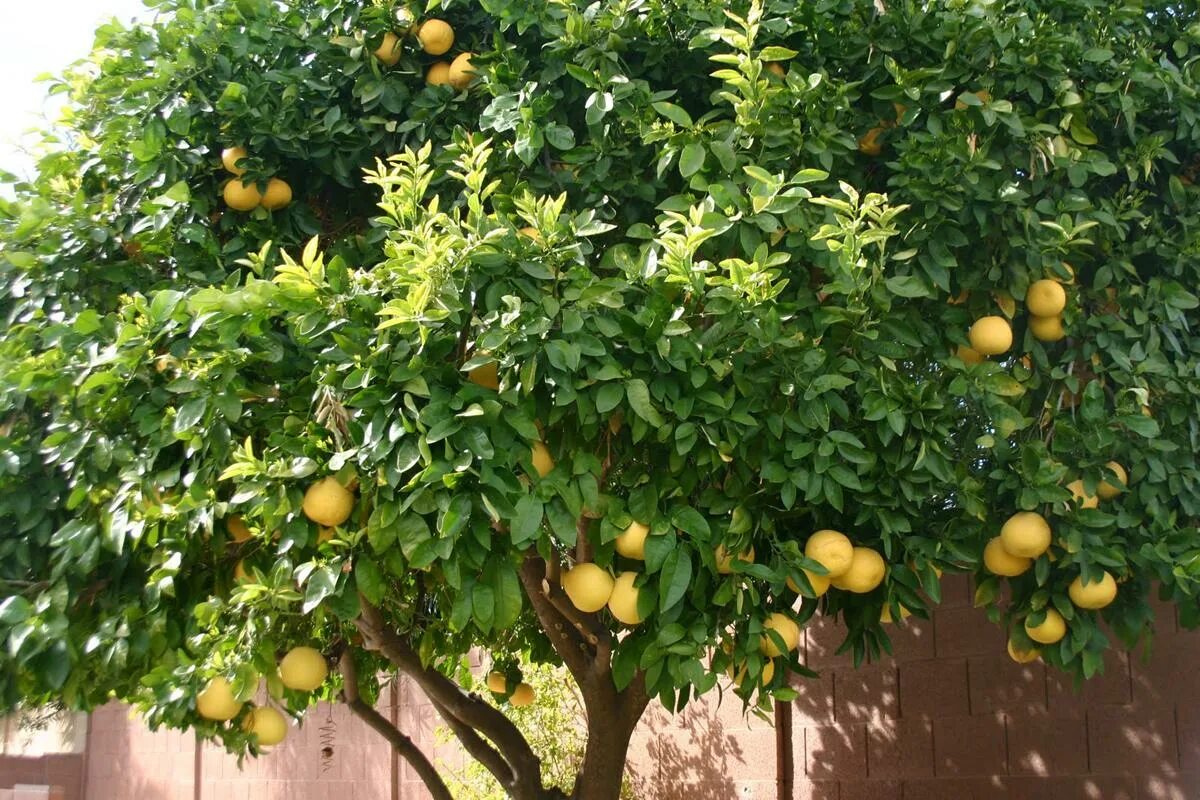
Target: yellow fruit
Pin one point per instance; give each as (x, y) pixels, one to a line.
(1082, 498)
(521, 696)
(1046, 298)
(990, 336)
(631, 542)
(278, 195)
(867, 570)
(885, 616)
(438, 74)
(389, 50)
(1095, 595)
(787, 629)
(725, 560)
(328, 503)
(267, 724)
(543, 462)
(461, 71)
(324, 534)
(623, 602)
(776, 69)
(242, 196)
(588, 586)
(1108, 491)
(868, 143)
(764, 678)
(1023, 656)
(1047, 329)
(303, 669)
(436, 37)
(969, 355)
(1026, 534)
(237, 529)
(240, 575)
(497, 682)
(999, 561)
(832, 550)
(1052, 629)
(820, 583)
(229, 158)
(217, 702)
(485, 375)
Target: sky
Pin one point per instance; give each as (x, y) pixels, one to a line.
(37, 37)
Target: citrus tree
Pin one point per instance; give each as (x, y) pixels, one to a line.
(627, 335)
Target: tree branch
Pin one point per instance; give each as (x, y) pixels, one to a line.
(470, 710)
(401, 743)
(584, 645)
(479, 749)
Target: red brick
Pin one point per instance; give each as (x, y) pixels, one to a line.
(871, 790)
(1131, 740)
(968, 746)
(1072, 788)
(1000, 684)
(1109, 688)
(912, 639)
(1187, 725)
(994, 788)
(966, 631)
(901, 748)
(835, 751)
(867, 694)
(814, 706)
(1170, 673)
(815, 790)
(823, 636)
(934, 688)
(1039, 744)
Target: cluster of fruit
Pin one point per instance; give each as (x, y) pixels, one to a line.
(1027, 536)
(242, 195)
(436, 37)
(992, 335)
(303, 669)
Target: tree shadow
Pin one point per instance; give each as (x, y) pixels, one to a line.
(710, 751)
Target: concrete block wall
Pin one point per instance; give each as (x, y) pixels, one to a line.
(951, 716)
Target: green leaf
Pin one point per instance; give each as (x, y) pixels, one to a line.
(674, 113)
(189, 414)
(369, 579)
(609, 397)
(691, 160)
(675, 578)
(506, 591)
(639, 400)
(320, 585)
(528, 521)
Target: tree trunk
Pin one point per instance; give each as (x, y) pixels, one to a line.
(603, 761)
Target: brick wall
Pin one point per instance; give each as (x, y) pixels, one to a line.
(949, 716)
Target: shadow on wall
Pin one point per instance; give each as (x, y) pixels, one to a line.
(952, 716)
(711, 751)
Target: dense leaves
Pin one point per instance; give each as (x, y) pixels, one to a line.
(724, 316)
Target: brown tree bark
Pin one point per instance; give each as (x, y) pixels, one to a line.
(403, 745)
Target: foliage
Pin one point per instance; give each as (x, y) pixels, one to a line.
(732, 324)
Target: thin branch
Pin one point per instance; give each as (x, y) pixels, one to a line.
(402, 744)
(478, 748)
(470, 710)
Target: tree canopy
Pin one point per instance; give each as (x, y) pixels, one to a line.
(657, 288)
